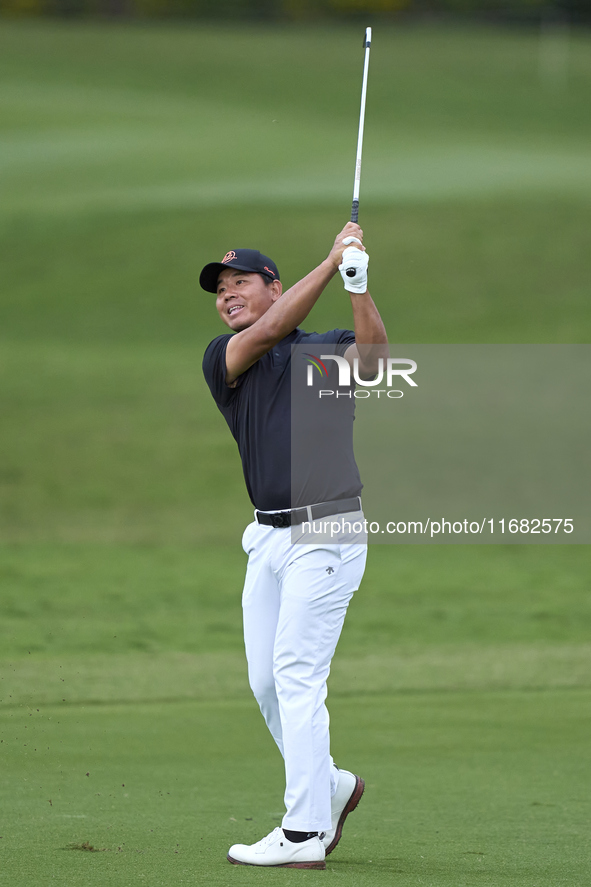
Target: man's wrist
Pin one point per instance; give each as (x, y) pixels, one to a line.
(331, 265)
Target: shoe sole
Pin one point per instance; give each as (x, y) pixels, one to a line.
(319, 864)
(348, 808)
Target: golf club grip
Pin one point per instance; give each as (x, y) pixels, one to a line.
(355, 211)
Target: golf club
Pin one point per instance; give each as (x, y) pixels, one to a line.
(357, 181)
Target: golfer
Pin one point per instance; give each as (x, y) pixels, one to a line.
(297, 588)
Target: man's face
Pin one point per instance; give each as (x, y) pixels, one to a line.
(243, 297)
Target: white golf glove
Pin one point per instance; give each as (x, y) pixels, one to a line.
(354, 269)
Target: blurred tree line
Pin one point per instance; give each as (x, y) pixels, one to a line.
(561, 11)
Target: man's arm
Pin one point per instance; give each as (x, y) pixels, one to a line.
(284, 315)
(371, 339)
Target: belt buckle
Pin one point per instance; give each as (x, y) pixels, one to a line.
(281, 519)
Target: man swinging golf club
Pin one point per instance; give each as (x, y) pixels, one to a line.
(295, 595)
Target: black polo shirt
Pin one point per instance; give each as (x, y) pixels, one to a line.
(258, 411)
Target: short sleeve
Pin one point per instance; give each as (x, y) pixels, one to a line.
(343, 338)
(214, 370)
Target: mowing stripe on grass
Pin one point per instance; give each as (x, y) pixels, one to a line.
(160, 677)
(403, 175)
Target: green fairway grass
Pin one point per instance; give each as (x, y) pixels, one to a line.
(129, 157)
(450, 114)
(462, 789)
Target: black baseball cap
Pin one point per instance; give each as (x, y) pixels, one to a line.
(242, 260)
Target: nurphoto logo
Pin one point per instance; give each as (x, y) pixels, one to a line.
(389, 371)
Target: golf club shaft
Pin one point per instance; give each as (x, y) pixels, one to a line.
(357, 181)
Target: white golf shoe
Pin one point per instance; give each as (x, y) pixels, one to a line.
(345, 799)
(276, 850)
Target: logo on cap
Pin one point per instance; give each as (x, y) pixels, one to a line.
(272, 273)
(229, 257)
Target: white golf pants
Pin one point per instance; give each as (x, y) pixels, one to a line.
(294, 603)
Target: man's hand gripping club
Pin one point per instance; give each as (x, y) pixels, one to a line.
(353, 267)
